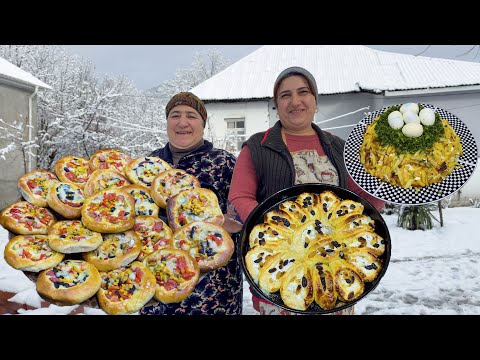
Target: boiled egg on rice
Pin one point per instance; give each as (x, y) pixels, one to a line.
(395, 120)
(427, 116)
(409, 107)
(410, 117)
(412, 130)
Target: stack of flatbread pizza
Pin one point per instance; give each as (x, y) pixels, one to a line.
(91, 227)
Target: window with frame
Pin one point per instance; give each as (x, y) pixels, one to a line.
(235, 134)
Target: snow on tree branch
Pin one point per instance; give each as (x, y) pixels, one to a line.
(84, 113)
(10, 147)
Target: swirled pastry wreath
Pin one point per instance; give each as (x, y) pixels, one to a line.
(315, 248)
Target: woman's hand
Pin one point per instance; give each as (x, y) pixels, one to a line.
(231, 226)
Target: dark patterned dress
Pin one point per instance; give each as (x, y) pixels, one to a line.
(221, 290)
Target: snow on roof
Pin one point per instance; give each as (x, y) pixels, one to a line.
(14, 73)
(337, 69)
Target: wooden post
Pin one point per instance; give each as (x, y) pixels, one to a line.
(440, 210)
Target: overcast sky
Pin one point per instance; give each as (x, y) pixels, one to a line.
(149, 65)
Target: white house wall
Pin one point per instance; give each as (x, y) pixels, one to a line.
(254, 112)
(13, 108)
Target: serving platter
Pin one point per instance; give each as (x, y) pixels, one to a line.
(396, 194)
(291, 193)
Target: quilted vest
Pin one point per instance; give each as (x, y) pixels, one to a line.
(274, 164)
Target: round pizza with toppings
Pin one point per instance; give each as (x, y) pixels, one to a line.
(27, 219)
(70, 282)
(31, 253)
(144, 203)
(126, 290)
(66, 199)
(33, 186)
(154, 234)
(115, 251)
(71, 236)
(143, 170)
(208, 243)
(73, 169)
(109, 159)
(176, 274)
(109, 211)
(196, 204)
(169, 183)
(104, 179)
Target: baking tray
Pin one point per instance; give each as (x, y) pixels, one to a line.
(291, 193)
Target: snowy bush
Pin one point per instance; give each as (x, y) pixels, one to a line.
(416, 217)
(475, 202)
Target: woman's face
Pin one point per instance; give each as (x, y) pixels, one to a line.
(184, 127)
(295, 104)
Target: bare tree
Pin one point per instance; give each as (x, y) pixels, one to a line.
(203, 67)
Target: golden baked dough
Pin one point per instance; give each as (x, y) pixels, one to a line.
(33, 186)
(195, 204)
(176, 273)
(349, 284)
(25, 218)
(109, 211)
(209, 244)
(126, 290)
(296, 289)
(271, 274)
(115, 251)
(144, 203)
(324, 288)
(354, 222)
(154, 234)
(264, 233)
(310, 204)
(143, 170)
(113, 159)
(104, 179)
(315, 249)
(71, 236)
(344, 208)
(257, 256)
(285, 220)
(66, 199)
(73, 169)
(367, 264)
(169, 183)
(31, 253)
(326, 201)
(295, 210)
(70, 282)
(368, 239)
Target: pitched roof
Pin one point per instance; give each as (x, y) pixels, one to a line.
(337, 69)
(14, 73)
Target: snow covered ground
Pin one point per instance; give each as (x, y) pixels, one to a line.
(430, 272)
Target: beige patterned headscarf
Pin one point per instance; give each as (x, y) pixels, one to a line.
(189, 99)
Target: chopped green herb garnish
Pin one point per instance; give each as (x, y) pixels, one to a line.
(388, 136)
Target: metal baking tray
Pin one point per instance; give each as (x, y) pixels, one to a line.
(291, 193)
